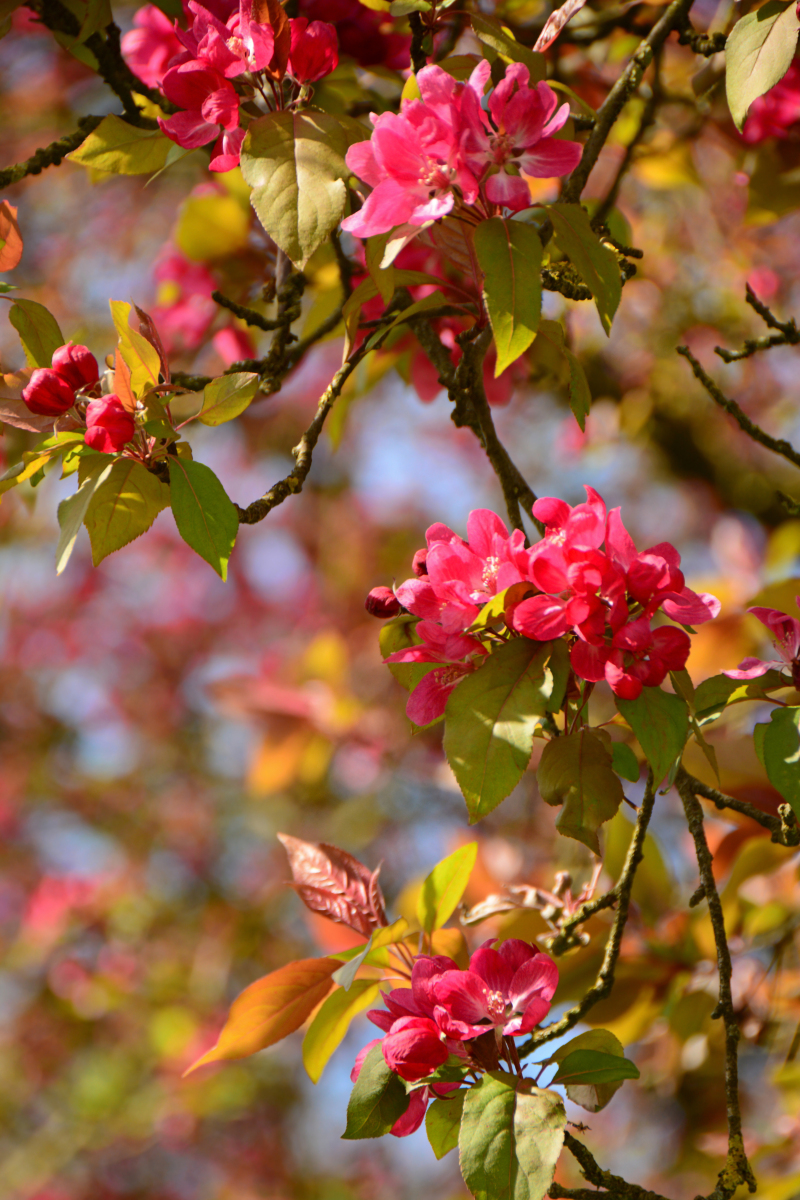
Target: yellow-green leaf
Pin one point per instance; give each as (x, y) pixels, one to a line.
(123, 507)
(228, 396)
(445, 886)
(118, 148)
(332, 1022)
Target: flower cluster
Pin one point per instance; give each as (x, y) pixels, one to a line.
(584, 581)
(785, 633)
(505, 994)
(74, 380)
(444, 149)
(218, 48)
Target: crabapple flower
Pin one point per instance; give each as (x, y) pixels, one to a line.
(414, 1048)
(412, 161)
(47, 393)
(149, 48)
(516, 138)
(211, 111)
(785, 634)
(231, 47)
(314, 52)
(108, 425)
(460, 654)
(508, 990)
(414, 1115)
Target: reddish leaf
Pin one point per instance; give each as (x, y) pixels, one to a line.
(10, 237)
(148, 330)
(271, 12)
(271, 1008)
(556, 22)
(17, 413)
(332, 882)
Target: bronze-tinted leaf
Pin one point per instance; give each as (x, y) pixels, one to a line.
(330, 881)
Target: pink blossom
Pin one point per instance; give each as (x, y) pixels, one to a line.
(364, 34)
(47, 393)
(150, 47)
(461, 655)
(412, 162)
(233, 344)
(184, 309)
(414, 1115)
(77, 365)
(209, 102)
(785, 634)
(637, 657)
(773, 114)
(508, 990)
(314, 51)
(231, 47)
(414, 1048)
(518, 140)
(109, 425)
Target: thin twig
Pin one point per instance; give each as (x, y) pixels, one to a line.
(605, 977)
(787, 335)
(736, 1170)
(49, 156)
(785, 832)
(593, 1173)
(247, 314)
(777, 445)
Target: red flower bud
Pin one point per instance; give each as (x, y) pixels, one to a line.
(314, 51)
(48, 394)
(382, 602)
(77, 365)
(413, 1048)
(108, 425)
(419, 563)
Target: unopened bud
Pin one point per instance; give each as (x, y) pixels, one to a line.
(48, 394)
(382, 602)
(108, 425)
(314, 52)
(419, 563)
(77, 365)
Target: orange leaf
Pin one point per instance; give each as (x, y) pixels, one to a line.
(122, 383)
(10, 237)
(271, 1008)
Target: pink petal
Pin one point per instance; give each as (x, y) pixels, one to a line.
(691, 608)
(429, 699)
(414, 1115)
(482, 527)
(493, 969)
(551, 157)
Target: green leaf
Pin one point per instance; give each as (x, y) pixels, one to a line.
(594, 1066)
(596, 1094)
(499, 39)
(713, 695)
(294, 161)
(491, 717)
(550, 346)
(445, 886)
(140, 356)
(122, 149)
(625, 762)
(758, 53)
(38, 331)
(228, 396)
(373, 953)
(123, 507)
(206, 518)
(510, 1139)
(332, 1022)
(660, 721)
(72, 511)
(492, 615)
(780, 750)
(382, 277)
(443, 1122)
(398, 634)
(510, 256)
(377, 1100)
(367, 290)
(576, 770)
(594, 262)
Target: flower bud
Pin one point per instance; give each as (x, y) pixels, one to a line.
(419, 563)
(314, 51)
(48, 394)
(108, 425)
(382, 602)
(77, 365)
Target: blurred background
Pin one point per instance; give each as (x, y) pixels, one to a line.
(158, 727)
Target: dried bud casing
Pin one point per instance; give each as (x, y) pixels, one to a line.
(382, 602)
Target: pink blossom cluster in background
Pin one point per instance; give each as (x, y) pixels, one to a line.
(195, 66)
(445, 148)
(588, 583)
(773, 114)
(505, 993)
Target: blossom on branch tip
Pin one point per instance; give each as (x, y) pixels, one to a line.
(508, 990)
(314, 52)
(785, 634)
(211, 110)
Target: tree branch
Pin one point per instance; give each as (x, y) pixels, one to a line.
(784, 830)
(787, 335)
(49, 156)
(593, 1173)
(605, 977)
(736, 1170)
(777, 445)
